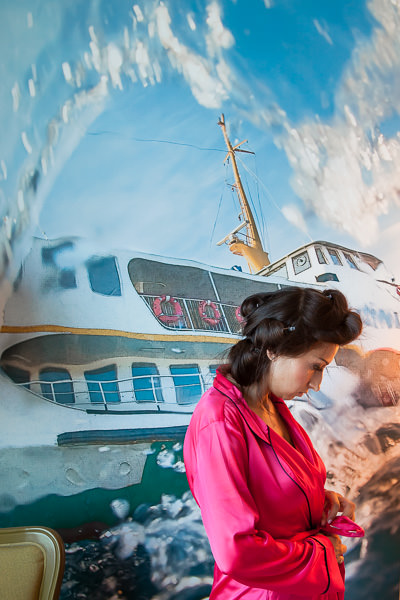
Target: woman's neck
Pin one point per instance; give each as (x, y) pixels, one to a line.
(258, 396)
(259, 401)
(255, 394)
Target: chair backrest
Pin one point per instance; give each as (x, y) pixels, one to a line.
(32, 561)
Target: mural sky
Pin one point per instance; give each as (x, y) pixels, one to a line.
(128, 148)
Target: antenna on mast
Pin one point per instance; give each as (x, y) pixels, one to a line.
(250, 247)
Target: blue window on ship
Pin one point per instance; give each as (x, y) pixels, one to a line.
(102, 385)
(63, 276)
(67, 279)
(146, 383)
(209, 377)
(56, 385)
(49, 254)
(350, 260)
(301, 262)
(327, 277)
(187, 383)
(103, 275)
(321, 256)
(335, 258)
(213, 369)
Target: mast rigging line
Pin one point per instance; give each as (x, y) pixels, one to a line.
(270, 196)
(216, 218)
(151, 140)
(259, 219)
(233, 190)
(249, 195)
(264, 226)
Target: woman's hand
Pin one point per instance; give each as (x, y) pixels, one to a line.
(335, 503)
(339, 548)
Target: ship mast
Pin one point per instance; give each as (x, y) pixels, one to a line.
(251, 247)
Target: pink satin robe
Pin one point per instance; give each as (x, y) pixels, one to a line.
(261, 501)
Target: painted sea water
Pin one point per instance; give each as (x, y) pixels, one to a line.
(161, 551)
(109, 134)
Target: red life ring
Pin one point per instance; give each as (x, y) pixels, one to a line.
(202, 312)
(238, 316)
(158, 309)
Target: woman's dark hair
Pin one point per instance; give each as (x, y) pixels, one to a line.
(289, 322)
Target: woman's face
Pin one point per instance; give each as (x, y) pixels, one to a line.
(293, 376)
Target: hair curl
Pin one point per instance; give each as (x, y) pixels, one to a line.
(289, 322)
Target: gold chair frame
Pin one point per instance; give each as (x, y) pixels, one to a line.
(37, 555)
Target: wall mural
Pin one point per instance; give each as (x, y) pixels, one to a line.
(159, 162)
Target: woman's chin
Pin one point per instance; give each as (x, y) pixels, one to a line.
(293, 396)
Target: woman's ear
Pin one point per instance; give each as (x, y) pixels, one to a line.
(271, 355)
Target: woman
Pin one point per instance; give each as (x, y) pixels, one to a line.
(252, 468)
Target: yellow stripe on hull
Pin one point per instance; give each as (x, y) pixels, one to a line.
(115, 332)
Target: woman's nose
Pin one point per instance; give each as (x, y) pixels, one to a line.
(315, 382)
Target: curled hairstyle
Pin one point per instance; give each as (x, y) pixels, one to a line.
(289, 322)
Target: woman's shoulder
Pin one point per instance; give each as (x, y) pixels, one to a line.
(213, 407)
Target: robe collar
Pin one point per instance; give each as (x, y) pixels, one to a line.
(261, 429)
(228, 389)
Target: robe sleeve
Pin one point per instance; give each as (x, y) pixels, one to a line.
(249, 555)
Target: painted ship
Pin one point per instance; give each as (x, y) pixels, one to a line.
(107, 351)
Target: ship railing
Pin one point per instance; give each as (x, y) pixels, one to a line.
(142, 393)
(196, 315)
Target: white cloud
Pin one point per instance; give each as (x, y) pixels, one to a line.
(114, 60)
(191, 22)
(218, 36)
(345, 170)
(323, 30)
(387, 249)
(138, 13)
(26, 143)
(206, 86)
(292, 213)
